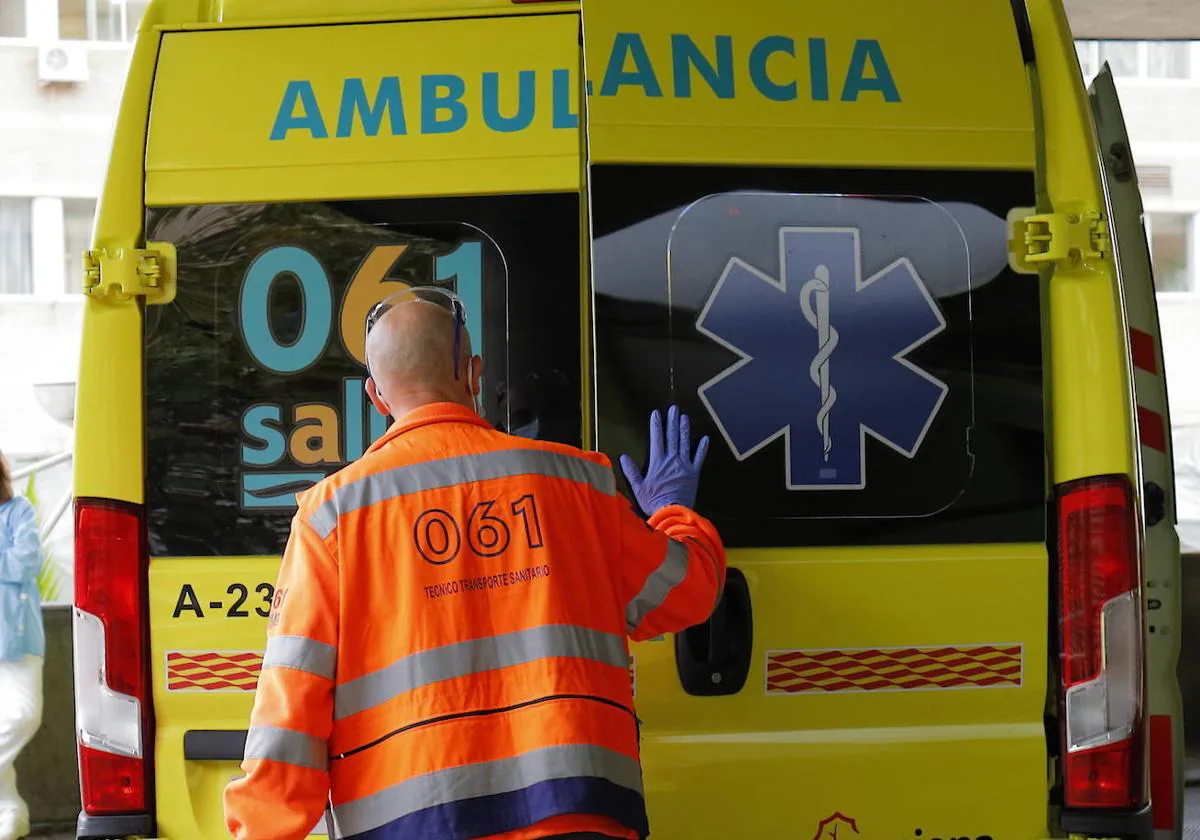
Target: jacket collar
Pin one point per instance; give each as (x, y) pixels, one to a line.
(426, 415)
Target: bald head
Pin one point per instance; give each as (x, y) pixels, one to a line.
(410, 354)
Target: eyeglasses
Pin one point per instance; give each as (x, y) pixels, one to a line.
(439, 297)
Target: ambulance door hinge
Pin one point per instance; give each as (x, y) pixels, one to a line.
(1068, 240)
(122, 275)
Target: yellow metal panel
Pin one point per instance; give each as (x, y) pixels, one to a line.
(937, 756)
(879, 84)
(213, 695)
(1091, 396)
(108, 411)
(217, 107)
(193, 14)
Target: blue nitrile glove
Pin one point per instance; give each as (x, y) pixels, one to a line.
(672, 476)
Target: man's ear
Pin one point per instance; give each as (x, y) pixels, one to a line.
(476, 382)
(375, 397)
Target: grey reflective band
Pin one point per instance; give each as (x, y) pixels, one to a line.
(658, 586)
(287, 746)
(449, 472)
(486, 778)
(475, 656)
(300, 654)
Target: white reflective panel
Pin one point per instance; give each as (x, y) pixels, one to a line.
(1103, 710)
(104, 719)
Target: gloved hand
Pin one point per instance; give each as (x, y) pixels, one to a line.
(672, 476)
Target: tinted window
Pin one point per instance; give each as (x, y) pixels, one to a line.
(253, 374)
(867, 364)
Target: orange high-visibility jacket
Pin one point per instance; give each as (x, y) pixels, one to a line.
(447, 653)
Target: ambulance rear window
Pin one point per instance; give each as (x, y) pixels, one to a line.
(868, 366)
(254, 381)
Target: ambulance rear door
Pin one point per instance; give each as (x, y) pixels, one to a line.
(302, 174)
(798, 235)
(1161, 549)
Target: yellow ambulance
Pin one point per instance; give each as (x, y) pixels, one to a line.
(889, 255)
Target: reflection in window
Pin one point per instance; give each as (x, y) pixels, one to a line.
(695, 268)
(100, 20)
(1170, 248)
(12, 18)
(1122, 57)
(1168, 59)
(16, 263)
(78, 214)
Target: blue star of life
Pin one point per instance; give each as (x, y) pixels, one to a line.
(823, 358)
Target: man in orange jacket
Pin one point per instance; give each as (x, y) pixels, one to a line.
(447, 654)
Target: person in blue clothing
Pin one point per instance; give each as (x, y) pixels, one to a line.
(22, 647)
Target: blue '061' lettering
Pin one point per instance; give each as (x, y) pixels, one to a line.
(285, 451)
(781, 68)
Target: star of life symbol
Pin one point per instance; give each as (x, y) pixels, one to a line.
(822, 358)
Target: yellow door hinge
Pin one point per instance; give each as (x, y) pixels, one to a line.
(1069, 240)
(125, 274)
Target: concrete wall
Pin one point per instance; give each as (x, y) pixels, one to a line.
(56, 137)
(1147, 20)
(47, 773)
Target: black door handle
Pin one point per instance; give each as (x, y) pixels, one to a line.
(713, 658)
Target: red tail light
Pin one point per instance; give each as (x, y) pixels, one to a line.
(1102, 645)
(113, 712)
(112, 784)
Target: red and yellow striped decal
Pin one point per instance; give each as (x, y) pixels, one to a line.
(1152, 429)
(891, 669)
(213, 670)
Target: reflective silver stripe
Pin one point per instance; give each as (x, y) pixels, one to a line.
(287, 746)
(486, 778)
(658, 586)
(432, 475)
(475, 656)
(301, 654)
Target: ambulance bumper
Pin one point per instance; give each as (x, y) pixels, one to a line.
(114, 826)
(1138, 825)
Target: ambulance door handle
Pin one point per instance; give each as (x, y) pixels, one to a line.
(1154, 500)
(713, 658)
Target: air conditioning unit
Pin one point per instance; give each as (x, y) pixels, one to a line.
(63, 61)
(1154, 179)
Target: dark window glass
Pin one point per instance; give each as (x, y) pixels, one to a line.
(253, 378)
(16, 246)
(78, 216)
(867, 364)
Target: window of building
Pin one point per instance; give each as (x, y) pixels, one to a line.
(78, 214)
(1122, 57)
(1170, 237)
(99, 20)
(1168, 59)
(1136, 59)
(16, 251)
(1086, 50)
(12, 18)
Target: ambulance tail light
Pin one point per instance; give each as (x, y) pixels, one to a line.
(112, 703)
(1102, 645)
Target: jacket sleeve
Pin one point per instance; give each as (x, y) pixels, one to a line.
(21, 555)
(672, 570)
(286, 786)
